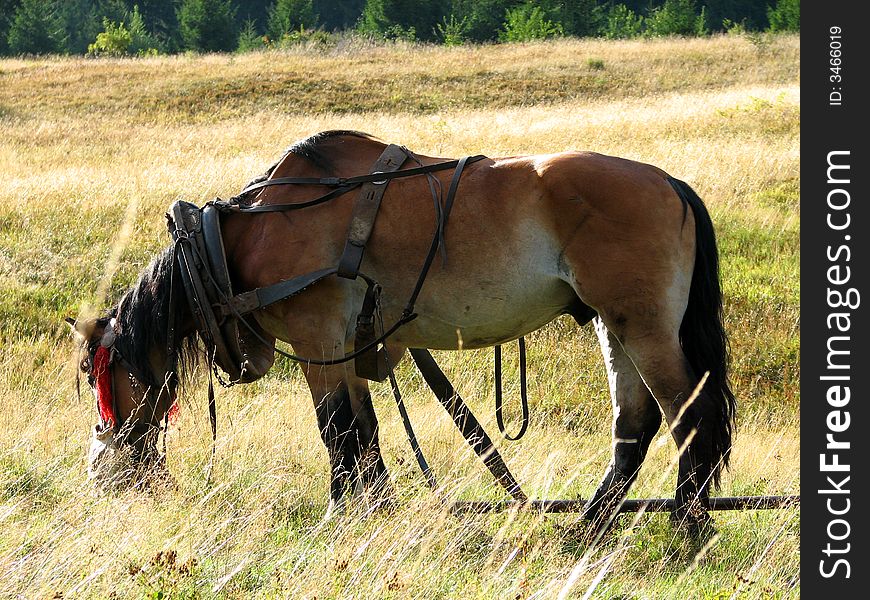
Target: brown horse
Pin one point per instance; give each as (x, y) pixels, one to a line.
(529, 238)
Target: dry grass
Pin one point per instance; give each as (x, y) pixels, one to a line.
(94, 151)
(390, 79)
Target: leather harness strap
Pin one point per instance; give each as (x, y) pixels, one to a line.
(373, 364)
(365, 211)
(341, 182)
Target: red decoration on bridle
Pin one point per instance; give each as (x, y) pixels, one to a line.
(172, 415)
(102, 374)
(103, 385)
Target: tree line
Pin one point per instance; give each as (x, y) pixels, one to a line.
(117, 27)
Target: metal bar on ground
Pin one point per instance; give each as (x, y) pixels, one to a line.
(630, 505)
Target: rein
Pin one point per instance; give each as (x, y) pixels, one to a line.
(344, 184)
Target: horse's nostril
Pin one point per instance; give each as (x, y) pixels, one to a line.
(103, 432)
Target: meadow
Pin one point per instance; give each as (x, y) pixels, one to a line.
(92, 152)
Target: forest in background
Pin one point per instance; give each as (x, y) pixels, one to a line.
(149, 27)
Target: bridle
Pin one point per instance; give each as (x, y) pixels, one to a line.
(102, 355)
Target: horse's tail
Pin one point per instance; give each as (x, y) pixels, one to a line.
(702, 334)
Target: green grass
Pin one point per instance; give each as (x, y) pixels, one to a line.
(91, 162)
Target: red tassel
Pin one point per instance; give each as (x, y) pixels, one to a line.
(103, 377)
(172, 415)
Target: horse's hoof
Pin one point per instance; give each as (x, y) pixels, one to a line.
(335, 509)
(697, 524)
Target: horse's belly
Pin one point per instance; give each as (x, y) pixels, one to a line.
(488, 313)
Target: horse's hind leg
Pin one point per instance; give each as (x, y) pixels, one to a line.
(636, 419)
(654, 347)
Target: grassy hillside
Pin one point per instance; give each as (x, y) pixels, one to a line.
(92, 154)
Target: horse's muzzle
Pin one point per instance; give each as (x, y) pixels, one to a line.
(114, 463)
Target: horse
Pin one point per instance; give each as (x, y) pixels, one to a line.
(604, 239)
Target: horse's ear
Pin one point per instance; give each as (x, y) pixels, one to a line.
(79, 328)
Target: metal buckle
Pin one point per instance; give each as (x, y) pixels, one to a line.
(379, 182)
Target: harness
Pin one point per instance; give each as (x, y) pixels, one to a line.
(222, 316)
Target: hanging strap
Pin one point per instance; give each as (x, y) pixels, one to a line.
(212, 418)
(466, 422)
(524, 393)
(406, 421)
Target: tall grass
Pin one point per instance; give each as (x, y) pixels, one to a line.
(93, 153)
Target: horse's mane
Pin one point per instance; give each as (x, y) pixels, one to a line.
(142, 318)
(311, 149)
(312, 146)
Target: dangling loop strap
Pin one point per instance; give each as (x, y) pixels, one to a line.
(524, 393)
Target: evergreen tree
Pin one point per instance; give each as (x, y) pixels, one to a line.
(639, 7)
(255, 11)
(749, 13)
(249, 38)
(580, 18)
(786, 16)
(141, 40)
(35, 29)
(82, 20)
(336, 15)
(403, 18)
(161, 20)
(290, 15)
(7, 12)
(674, 17)
(528, 22)
(207, 25)
(484, 17)
(622, 22)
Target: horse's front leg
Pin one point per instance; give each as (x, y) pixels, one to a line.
(335, 423)
(371, 473)
(348, 427)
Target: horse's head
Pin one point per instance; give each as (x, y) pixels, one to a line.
(132, 402)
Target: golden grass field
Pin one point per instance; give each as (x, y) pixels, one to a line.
(92, 152)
